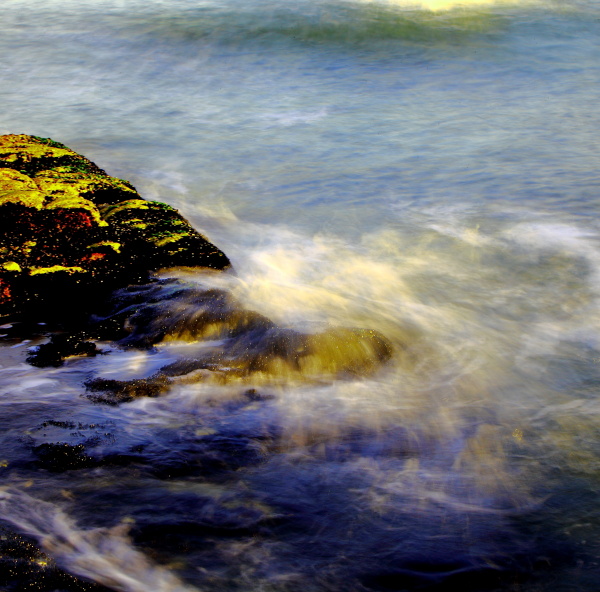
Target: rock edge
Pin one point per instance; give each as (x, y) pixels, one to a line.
(70, 234)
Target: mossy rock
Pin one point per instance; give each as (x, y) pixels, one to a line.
(160, 232)
(30, 154)
(69, 231)
(75, 241)
(15, 187)
(65, 182)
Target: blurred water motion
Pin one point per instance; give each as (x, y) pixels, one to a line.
(410, 184)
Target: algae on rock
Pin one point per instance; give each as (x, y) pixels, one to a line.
(69, 230)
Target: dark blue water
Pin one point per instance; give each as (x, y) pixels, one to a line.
(427, 171)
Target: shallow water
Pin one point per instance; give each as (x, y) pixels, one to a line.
(426, 171)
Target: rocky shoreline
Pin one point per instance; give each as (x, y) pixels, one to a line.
(70, 234)
(79, 252)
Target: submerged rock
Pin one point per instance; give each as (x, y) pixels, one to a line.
(70, 233)
(115, 392)
(61, 346)
(225, 342)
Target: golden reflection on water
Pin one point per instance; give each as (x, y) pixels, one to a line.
(446, 5)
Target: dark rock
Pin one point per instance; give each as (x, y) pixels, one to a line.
(244, 341)
(114, 392)
(61, 346)
(253, 395)
(156, 234)
(70, 234)
(61, 457)
(23, 566)
(148, 314)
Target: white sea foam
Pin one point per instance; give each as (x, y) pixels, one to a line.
(128, 365)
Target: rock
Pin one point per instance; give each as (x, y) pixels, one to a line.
(23, 566)
(78, 247)
(227, 343)
(61, 346)
(115, 392)
(70, 234)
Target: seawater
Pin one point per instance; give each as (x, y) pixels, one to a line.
(425, 169)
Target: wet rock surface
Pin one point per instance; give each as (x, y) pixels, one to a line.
(61, 346)
(226, 343)
(23, 566)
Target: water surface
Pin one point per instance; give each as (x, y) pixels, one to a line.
(425, 170)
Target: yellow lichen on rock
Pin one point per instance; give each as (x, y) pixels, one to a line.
(15, 187)
(168, 237)
(64, 179)
(51, 169)
(73, 200)
(28, 246)
(130, 204)
(54, 269)
(116, 247)
(27, 198)
(54, 188)
(15, 180)
(136, 223)
(11, 266)
(66, 225)
(20, 148)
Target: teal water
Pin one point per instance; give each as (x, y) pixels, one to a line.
(427, 171)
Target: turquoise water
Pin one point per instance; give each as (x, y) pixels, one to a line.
(428, 171)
